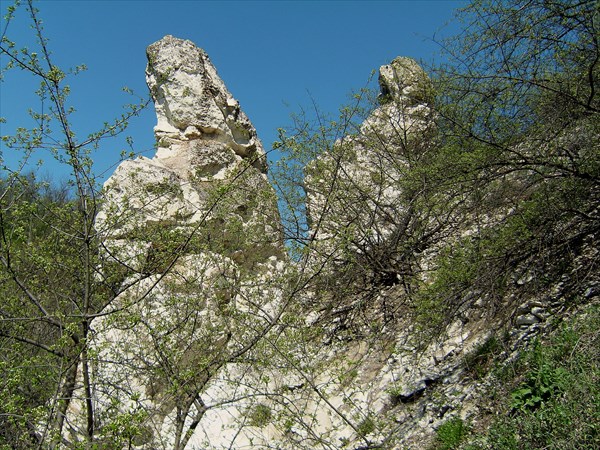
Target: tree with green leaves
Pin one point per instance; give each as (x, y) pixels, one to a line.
(518, 120)
(52, 288)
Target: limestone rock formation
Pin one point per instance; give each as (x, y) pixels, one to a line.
(353, 200)
(195, 235)
(404, 78)
(193, 103)
(381, 394)
(405, 94)
(206, 146)
(216, 340)
(371, 240)
(197, 229)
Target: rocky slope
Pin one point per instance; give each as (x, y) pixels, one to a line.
(219, 341)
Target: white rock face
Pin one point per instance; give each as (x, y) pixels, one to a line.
(192, 101)
(404, 78)
(195, 234)
(205, 144)
(210, 342)
(379, 387)
(353, 199)
(404, 114)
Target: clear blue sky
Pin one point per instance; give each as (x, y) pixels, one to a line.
(272, 55)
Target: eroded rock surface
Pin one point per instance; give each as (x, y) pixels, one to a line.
(192, 101)
(194, 234)
(216, 340)
(206, 146)
(353, 194)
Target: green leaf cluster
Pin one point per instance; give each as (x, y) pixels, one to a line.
(549, 397)
(450, 434)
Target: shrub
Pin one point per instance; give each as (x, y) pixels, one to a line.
(450, 434)
(260, 416)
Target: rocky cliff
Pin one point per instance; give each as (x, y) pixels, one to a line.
(220, 341)
(195, 234)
